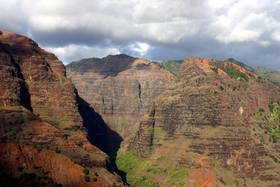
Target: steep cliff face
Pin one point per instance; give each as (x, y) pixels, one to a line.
(56, 166)
(208, 112)
(32, 76)
(119, 87)
(39, 107)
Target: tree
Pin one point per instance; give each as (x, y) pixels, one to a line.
(86, 171)
(86, 178)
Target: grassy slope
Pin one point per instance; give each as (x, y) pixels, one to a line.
(264, 72)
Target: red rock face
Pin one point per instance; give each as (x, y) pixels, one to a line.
(39, 107)
(58, 167)
(208, 114)
(31, 68)
(119, 87)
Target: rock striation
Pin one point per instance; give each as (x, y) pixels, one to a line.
(209, 113)
(39, 107)
(119, 87)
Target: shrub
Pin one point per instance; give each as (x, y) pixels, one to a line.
(223, 182)
(47, 147)
(42, 170)
(74, 162)
(86, 171)
(94, 179)
(35, 146)
(95, 174)
(34, 165)
(39, 149)
(55, 183)
(114, 184)
(261, 110)
(28, 133)
(86, 178)
(160, 158)
(19, 168)
(57, 150)
(237, 183)
(221, 87)
(80, 143)
(215, 70)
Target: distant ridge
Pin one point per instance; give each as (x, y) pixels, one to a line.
(272, 74)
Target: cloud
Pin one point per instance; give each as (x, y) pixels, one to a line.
(69, 53)
(248, 31)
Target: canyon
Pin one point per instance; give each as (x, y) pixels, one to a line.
(41, 122)
(126, 121)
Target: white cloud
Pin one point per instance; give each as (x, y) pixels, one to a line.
(276, 35)
(140, 48)
(244, 21)
(69, 53)
(75, 29)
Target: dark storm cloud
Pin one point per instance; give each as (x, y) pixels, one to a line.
(248, 31)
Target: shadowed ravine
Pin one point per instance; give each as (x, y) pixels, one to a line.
(100, 135)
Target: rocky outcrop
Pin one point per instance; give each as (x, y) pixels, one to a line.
(208, 113)
(119, 87)
(36, 79)
(56, 166)
(39, 107)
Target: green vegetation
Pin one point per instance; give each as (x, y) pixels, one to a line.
(274, 158)
(172, 81)
(94, 179)
(258, 117)
(275, 138)
(47, 147)
(273, 129)
(215, 69)
(138, 181)
(265, 72)
(128, 163)
(275, 114)
(160, 158)
(237, 183)
(172, 66)
(86, 171)
(57, 150)
(183, 177)
(86, 178)
(19, 168)
(223, 182)
(231, 70)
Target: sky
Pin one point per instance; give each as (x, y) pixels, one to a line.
(156, 30)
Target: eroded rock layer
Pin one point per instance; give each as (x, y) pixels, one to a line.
(208, 113)
(39, 107)
(119, 87)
